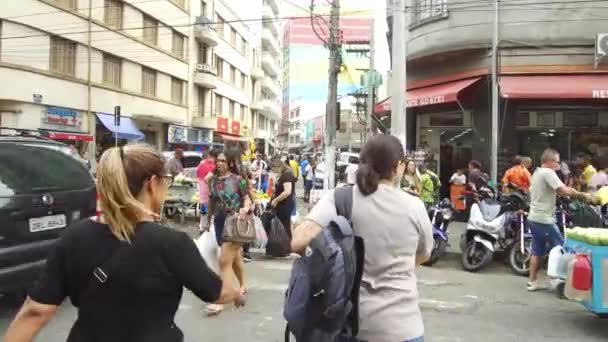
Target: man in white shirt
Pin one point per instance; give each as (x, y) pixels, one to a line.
(351, 174)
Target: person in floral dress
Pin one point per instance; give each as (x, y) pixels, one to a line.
(229, 193)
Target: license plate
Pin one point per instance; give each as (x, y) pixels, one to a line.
(47, 222)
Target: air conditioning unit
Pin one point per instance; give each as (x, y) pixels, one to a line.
(601, 45)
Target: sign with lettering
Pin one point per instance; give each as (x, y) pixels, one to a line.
(235, 128)
(600, 94)
(426, 101)
(222, 125)
(62, 116)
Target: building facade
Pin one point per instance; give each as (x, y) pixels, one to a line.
(69, 63)
(550, 84)
(183, 72)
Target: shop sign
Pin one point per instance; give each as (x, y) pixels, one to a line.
(62, 116)
(426, 101)
(235, 128)
(222, 125)
(600, 94)
(185, 135)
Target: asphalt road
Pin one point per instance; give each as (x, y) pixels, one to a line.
(457, 306)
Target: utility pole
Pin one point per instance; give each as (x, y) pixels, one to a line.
(333, 44)
(369, 126)
(495, 97)
(399, 78)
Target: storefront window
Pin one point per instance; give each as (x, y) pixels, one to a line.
(446, 120)
(580, 119)
(523, 119)
(545, 119)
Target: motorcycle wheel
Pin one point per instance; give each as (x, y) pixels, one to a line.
(518, 261)
(171, 212)
(439, 247)
(474, 261)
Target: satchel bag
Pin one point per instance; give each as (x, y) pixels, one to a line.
(238, 228)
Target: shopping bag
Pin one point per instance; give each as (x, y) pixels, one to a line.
(261, 238)
(279, 244)
(207, 246)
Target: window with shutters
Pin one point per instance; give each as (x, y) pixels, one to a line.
(232, 109)
(112, 68)
(71, 4)
(180, 3)
(233, 36)
(178, 44)
(203, 54)
(202, 96)
(63, 56)
(113, 13)
(148, 81)
(219, 64)
(219, 104)
(177, 90)
(243, 81)
(150, 30)
(221, 23)
(243, 111)
(233, 75)
(243, 47)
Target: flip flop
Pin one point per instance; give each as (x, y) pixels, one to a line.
(214, 310)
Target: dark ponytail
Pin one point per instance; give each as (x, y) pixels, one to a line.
(379, 158)
(367, 179)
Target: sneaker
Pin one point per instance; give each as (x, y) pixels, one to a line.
(535, 286)
(247, 257)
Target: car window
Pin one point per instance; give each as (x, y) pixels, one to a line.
(32, 168)
(353, 160)
(191, 161)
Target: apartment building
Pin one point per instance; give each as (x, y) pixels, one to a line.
(222, 63)
(550, 80)
(66, 65)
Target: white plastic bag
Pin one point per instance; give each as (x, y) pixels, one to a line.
(261, 238)
(207, 246)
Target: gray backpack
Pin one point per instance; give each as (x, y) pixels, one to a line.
(322, 301)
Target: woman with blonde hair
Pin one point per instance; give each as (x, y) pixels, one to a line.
(230, 193)
(123, 272)
(410, 182)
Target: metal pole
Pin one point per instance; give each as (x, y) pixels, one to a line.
(399, 78)
(350, 131)
(332, 96)
(370, 85)
(495, 98)
(92, 146)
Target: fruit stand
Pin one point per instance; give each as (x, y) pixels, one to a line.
(183, 195)
(593, 244)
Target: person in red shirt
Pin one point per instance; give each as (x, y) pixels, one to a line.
(518, 175)
(205, 167)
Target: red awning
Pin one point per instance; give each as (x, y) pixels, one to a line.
(231, 137)
(70, 136)
(590, 86)
(431, 95)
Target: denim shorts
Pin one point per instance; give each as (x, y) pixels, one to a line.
(204, 209)
(544, 237)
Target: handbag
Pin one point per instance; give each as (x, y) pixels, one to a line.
(238, 228)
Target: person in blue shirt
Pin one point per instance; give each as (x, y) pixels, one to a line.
(303, 164)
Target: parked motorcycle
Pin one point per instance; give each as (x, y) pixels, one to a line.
(497, 221)
(441, 214)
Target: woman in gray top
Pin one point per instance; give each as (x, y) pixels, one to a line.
(398, 235)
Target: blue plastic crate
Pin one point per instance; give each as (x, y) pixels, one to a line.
(599, 263)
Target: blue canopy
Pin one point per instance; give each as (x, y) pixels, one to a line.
(127, 129)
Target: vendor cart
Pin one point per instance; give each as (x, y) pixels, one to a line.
(598, 301)
(181, 198)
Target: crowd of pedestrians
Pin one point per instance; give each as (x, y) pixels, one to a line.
(125, 272)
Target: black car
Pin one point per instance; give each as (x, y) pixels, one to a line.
(43, 188)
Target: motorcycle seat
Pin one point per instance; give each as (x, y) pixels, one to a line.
(490, 209)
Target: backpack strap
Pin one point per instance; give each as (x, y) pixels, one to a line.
(102, 273)
(343, 197)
